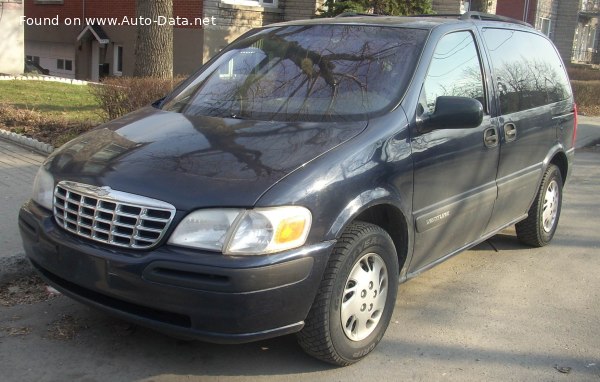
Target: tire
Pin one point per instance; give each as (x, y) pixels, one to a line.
(356, 297)
(539, 227)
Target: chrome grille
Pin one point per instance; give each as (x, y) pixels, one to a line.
(111, 217)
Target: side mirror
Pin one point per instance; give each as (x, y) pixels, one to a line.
(453, 113)
(158, 103)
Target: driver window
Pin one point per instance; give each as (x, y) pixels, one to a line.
(455, 70)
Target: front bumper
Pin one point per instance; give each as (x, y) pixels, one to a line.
(191, 294)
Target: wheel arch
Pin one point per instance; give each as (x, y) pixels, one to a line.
(393, 221)
(561, 161)
(385, 212)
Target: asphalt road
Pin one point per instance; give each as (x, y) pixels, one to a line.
(500, 312)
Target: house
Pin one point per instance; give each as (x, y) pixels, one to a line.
(11, 45)
(571, 24)
(58, 36)
(89, 39)
(587, 35)
(461, 6)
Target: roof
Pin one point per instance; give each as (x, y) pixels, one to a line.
(97, 31)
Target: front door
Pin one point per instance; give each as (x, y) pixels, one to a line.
(454, 169)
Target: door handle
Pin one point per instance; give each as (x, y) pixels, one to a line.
(490, 137)
(510, 132)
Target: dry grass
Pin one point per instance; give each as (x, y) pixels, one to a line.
(26, 290)
(578, 73)
(16, 331)
(42, 126)
(587, 97)
(65, 328)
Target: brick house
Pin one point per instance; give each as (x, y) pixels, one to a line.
(70, 46)
(571, 24)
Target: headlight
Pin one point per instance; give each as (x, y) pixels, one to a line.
(244, 232)
(43, 188)
(205, 229)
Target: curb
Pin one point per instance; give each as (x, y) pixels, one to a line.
(46, 78)
(41, 147)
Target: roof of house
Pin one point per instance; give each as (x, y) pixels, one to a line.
(97, 31)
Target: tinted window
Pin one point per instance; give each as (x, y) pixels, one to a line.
(528, 70)
(318, 72)
(455, 70)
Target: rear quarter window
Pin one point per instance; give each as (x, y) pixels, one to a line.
(527, 69)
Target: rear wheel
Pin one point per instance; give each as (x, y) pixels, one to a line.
(539, 227)
(356, 297)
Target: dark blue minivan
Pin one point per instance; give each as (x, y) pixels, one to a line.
(292, 182)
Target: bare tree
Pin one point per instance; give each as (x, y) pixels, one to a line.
(154, 42)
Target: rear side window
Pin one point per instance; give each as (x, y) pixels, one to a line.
(529, 72)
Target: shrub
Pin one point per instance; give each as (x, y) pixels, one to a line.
(578, 73)
(586, 96)
(118, 96)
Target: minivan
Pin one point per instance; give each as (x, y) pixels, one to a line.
(305, 171)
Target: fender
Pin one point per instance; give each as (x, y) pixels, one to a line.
(368, 199)
(559, 148)
(555, 150)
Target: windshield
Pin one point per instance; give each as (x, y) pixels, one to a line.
(305, 73)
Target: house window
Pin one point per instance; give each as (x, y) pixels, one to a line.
(35, 59)
(118, 60)
(591, 38)
(62, 64)
(545, 24)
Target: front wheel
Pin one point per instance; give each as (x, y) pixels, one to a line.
(539, 227)
(356, 297)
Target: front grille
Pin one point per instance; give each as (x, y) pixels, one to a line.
(111, 217)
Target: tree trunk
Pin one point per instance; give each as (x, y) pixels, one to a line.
(154, 42)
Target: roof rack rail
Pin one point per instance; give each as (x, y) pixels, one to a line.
(491, 17)
(437, 15)
(472, 15)
(352, 14)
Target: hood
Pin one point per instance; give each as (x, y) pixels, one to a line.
(194, 162)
